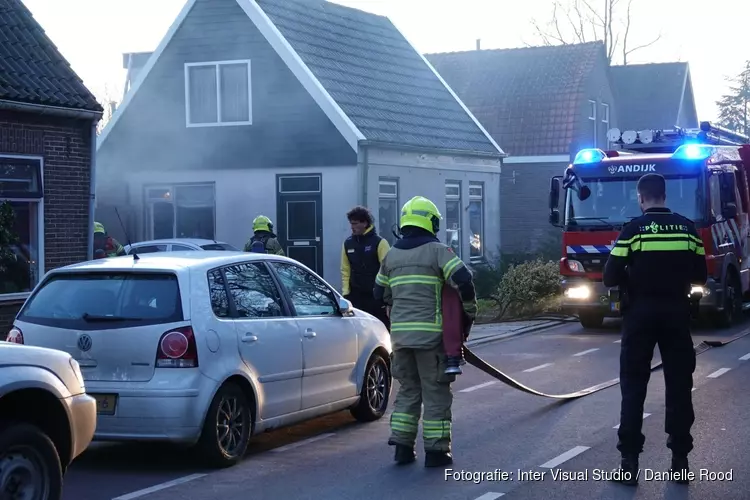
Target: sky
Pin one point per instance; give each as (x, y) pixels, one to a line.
(711, 36)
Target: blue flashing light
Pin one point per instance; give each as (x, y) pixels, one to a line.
(586, 156)
(692, 152)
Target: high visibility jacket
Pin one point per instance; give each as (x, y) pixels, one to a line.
(411, 281)
(269, 240)
(361, 256)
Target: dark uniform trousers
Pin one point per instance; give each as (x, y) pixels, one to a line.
(368, 304)
(646, 324)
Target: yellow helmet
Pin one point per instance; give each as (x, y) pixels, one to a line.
(421, 212)
(99, 228)
(262, 223)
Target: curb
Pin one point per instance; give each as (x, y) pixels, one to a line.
(515, 333)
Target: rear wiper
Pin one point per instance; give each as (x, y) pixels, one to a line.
(94, 317)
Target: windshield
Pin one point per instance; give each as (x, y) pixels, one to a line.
(219, 246)
(614, 201)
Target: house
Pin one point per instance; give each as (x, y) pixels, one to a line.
(654, 96)
(298, 110)
(541, 104)
(47, 138)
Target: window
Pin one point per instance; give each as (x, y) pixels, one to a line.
(714, 186)
(182, 248)
(218, 293)
(605, 113)
(253, 291)
(218, 93)
(309, 295)
(23, 260)
(148, 249)
(388, 209)
(453, 216)
(592, 118)
(219, 246)
(476, 219)
(181, 211)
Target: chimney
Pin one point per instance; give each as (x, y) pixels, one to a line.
(479, 44)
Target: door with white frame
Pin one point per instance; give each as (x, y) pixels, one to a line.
(300, 218)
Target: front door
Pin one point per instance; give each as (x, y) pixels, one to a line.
(300, 218)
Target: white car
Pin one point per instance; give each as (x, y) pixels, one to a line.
(209, 348)
(178, 245)
(46, 419)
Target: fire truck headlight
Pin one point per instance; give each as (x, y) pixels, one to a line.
(578, 292)
(576, 266)
(697, 292)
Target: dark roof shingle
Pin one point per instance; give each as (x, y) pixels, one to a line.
(32, 70)
(649, 96)
(377, 78)
(528, 99)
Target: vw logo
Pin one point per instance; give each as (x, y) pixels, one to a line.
(84, 342)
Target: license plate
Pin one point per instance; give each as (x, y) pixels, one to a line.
(105, 403)
(614, 306)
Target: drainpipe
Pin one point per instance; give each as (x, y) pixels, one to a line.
(365, 174)
(92, 194)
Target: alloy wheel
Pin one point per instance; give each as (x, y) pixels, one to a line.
(377, 382)
(231, 422)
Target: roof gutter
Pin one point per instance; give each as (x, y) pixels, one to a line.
(58, 111)
(421, 149)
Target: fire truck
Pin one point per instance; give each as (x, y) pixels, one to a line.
(707, 171)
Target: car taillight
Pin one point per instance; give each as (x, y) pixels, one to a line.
(177, 349)
(15, 336)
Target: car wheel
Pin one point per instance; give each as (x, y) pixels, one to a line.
(29, 464)
(227, 428)
(376, 391)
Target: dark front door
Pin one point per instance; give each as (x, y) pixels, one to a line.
(300, 212)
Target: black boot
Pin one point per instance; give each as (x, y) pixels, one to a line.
(628, 471)
(438, 458)
(679, 470)
(453, 365)
(404, 454)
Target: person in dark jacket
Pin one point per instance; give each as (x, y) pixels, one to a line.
(361, 256)
(657, 260)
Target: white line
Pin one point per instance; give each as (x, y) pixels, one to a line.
(564, 457)
(586, 352)
(644, 416)
(617, 341)
(745, 357)
(694, 388)
(545, 365)
(159, 487)
(480, 386)
(303, 442)
(490, 496)
(718, 373)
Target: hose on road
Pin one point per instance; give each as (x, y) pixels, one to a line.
(493, 372)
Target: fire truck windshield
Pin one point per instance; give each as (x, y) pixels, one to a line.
(614, 200)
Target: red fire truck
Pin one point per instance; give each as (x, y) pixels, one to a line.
(708, 181)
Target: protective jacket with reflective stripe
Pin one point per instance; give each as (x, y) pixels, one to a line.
(658, 256)
(411, 280)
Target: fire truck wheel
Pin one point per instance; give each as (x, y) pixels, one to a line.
(732, 304)
(591, 319)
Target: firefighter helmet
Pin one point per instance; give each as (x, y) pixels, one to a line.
(421, 212)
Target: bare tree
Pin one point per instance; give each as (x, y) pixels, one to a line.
(109, 101)
(579, 21)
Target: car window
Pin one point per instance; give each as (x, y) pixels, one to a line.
(218, 293)
(253, 291)
(309, 295)
(182, 248)
(219, 246)
(148, 249)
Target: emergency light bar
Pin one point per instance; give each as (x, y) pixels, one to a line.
(693, 152)
(669, 140)
(586, 156)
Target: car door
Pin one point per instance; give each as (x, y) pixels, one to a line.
(329, 343)
(268, 337)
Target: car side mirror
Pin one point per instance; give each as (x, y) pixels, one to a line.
(554, 217)
(345, 306)
(729, 211)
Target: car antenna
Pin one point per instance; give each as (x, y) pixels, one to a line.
(127, 236)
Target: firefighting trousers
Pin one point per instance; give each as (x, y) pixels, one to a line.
(644, 327)
(423, 381)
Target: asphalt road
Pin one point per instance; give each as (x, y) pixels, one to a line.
(495, 428)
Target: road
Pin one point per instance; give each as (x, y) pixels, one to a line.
(495, 428)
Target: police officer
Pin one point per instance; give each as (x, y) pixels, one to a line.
(410, 280)
(361, 256)
(105, 245)
(656, 260)
(263, 240)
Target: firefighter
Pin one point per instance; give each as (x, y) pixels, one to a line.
(410, 281)
(263, 240)
(105, 245)
(657, 259)
(361, 256)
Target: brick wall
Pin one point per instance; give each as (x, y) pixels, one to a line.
(65, 145)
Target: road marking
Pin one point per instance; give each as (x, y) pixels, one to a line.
(694, 388)
(718, 373)
(644, 416)
(490, 496)
(617, 341)
(564, 457)
(303, 442)
(586, 352)
(545, 365)
(745, 357)
(159, 487)
(480, 386)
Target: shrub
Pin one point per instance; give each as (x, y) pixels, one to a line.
(528, 288)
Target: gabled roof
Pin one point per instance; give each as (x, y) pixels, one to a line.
(649, 96)
(367, 78)
(32, 70)
(529, 99)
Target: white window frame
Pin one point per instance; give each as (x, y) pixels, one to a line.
(8, 297)
(592, 119)
(388, 181)
(480, 199)
(216, 65)
(148, 216)
(605, 113)
(456, 197)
